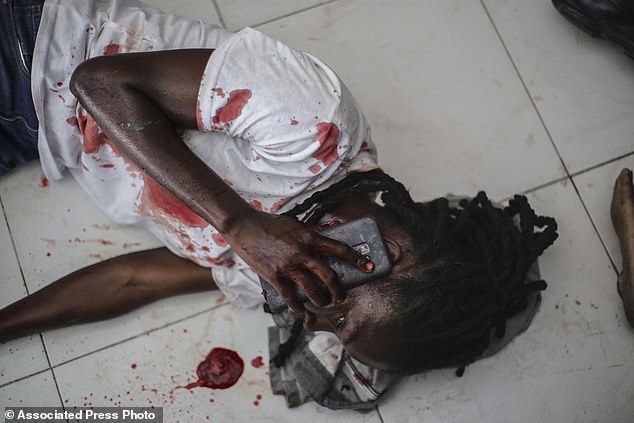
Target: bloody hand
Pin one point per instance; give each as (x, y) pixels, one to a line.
(284, 251)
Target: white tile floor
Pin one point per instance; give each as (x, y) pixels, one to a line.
(462, 95)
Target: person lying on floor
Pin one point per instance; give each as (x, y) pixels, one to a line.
(232, 149)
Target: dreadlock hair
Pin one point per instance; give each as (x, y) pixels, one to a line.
(473, 260)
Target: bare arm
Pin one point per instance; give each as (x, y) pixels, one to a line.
(158, 91)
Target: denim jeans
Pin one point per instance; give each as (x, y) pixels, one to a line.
(19, 22)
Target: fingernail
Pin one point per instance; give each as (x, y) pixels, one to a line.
(340, 300)
(367, 264)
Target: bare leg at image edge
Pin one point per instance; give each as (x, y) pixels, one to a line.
(622, 212)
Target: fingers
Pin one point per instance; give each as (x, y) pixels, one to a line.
(329, 247)
(305, 282)
(329, 278)
(286, 291)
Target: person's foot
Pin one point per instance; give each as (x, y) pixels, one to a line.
(622, 213)
(609, 19)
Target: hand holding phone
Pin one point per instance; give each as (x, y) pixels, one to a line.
(364, 236)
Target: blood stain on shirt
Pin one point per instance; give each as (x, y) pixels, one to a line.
(233, 108)
(72, 121)
(294, 122)
(219, 240)
(279, 204)
(214, 261)
(314, 169)
(93, 136)
(327, 136)
(157, 200)
(111, 48)
(44, 182)
(219, 91)
(221, 369)
(256, 205)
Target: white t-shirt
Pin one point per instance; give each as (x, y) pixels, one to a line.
(275, 124)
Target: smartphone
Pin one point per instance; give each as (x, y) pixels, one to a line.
(364, 236)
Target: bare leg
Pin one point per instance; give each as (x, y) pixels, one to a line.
(104, 290)
(622, 212)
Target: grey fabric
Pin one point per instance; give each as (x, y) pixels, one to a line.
(319, 369)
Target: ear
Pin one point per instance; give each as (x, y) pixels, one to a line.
(393, 250)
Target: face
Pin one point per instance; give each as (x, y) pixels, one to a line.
(361, 322)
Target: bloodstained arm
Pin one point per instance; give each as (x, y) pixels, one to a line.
(138, 100)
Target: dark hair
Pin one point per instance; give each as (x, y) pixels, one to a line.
(474, 260)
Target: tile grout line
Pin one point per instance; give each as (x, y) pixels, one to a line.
(166, 325)
(550, 137)
(526, 90)
(572, 175)
(219, 13)
(583, 203)
(591, 168)
(15, 250)
(594, 226)
(52, 367)
(21, 378)
(294, 13)
(379, 414)
(598, 165)
(26, 287)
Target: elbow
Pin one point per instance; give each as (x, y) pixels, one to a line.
(94, 78)
(83, 79)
